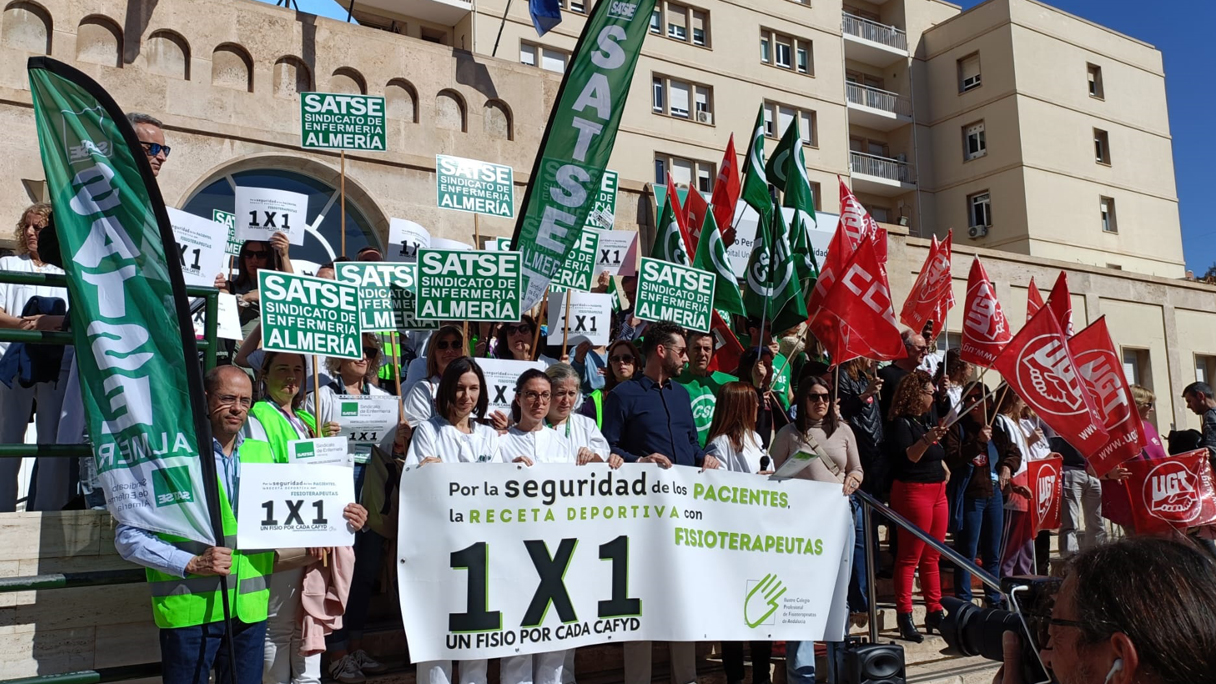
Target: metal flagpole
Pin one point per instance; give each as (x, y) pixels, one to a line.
(505, 12)
(395, 338)
(565, 324)
(342, 196)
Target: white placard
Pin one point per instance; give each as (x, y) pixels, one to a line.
(444, 243)
(290, 505)
(201, 247)
(405, 238)
(227, 322)
(365, 420)
(590, 318)
(320, 451)
(615, 250)
(262, 212)
(498, 244)
(501, 375)
(745, 235)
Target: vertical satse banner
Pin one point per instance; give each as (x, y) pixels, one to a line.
(582, 129)
(139, 374)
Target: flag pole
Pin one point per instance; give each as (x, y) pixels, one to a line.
(395, 340)
(544, 308)
(477, 230)
(342, 199)
(772, 192)
(316, 395)
(505, 12)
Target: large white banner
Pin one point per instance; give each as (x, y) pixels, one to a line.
(745, 236)
(501, 560)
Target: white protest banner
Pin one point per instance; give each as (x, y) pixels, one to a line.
(590, 317)
(227, 319)
(501, 375)
(364, 420)
(613, 250)
(559, 556)
(671, 292)
(262, 212)
(200, 245)
(387, 299)
(444, 243)
(290, 505)
(320, 451)
(745, 234)
(405, 238)
(306, 315)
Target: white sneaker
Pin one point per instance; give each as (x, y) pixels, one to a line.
(346, 671)
(367, 663)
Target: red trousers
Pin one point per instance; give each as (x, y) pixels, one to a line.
(925, 505)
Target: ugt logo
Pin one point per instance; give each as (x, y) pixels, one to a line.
(760, 601)
(1171, 493)
(1049, 481)
(1044, 365)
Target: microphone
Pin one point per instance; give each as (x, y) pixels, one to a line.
(764, 461)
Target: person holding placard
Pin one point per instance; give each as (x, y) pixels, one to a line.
(624, 359)
(256, 255)
(349, 377)
(756, 368)
(444, 347)
(587, 443)
(514, 341)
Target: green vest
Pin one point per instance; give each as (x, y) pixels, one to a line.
(597, 398)
(278, 431)
(195, 599)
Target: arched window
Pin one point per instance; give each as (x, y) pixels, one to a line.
(496, 120)
(450, 111)
(349, 81)
(231, 67)
(291, 77)
(322, 240)
(168, 54)
(402, 100)
(27, 26)
(99, 41)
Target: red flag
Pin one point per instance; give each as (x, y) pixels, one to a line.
(985, 330)
(856, 221)
(1175, 492)
(1102, 372)
(1059, 301)
(695, 209)
(861, 301)
(1034, 300)
(681, 214)
(933, 295)
(726, 192)
(727, 350)
(1046, 481)
(1039, 367)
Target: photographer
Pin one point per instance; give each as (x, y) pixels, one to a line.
(1138, 611)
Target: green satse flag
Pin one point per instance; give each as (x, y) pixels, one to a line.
(773, 293)
(798, 197)
(566, 177)
(668, 243)
(754, 190)
(711, 256)
(139, 373)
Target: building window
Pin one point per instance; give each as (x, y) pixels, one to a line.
(1205, 368)
(1101, 146)
(683, 23)
(974, 143)
(1137, 367)
(1094, 75)
(1106, 206)
(578, 6)
(777, 118)
(880, 213)
(685, 172)
(815, 195)
(787, 52)
(682, 99)
(980, 209)
(547, 58)
(969, 72)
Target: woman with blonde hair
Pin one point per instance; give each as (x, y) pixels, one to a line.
(445, 346)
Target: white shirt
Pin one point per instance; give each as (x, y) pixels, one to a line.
(545, 445)
(419, 401)
(581, 431)
(13, 297)
(745, 461)
(439, 438)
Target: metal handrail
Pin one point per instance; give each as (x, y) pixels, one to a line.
(874, 31)
(883, 167)
(62, 580)
(877, 98)
(98, 676)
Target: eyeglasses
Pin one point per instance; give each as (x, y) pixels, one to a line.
(816, 397)
(258, 254)
(621, 358)
(533, 397)
(444, 345)
(154, 149)
(231, 399)
(679, 351)
(517, 328)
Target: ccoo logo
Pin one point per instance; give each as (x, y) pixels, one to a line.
(1171, 493)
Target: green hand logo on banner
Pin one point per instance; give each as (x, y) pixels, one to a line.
(761, 600)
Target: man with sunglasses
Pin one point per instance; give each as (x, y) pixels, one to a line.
(893, 373)
(151, 134)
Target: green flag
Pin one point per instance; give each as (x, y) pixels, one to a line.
(799, 198)
(711, 256)
(754, 190)
(139, 373)
(773, 291)
(789, 147)
(566, 178)
(668, 242)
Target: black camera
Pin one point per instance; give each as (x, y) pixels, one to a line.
(970, 630)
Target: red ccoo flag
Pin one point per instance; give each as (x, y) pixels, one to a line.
(726, 193)
(695, 210)
(1059, 301)
(727, 350)
(860, 304)
(1102, 373)
(1038, 365)
(985, 330)
(1034, 300)
(933, 295)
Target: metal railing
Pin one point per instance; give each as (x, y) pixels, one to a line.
(882, 167)
(877, 98)
(874, 31)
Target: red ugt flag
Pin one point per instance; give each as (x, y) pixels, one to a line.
(860, 301)
(1046, 481)
(1175, 492)
(932, 296)
(1034, 300)
(1102, 373)
(726, 192)
(1038, 365)
(985, 330)
(1059, 301)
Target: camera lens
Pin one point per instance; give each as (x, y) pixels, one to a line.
(971, 630)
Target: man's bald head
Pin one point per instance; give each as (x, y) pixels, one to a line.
(220, 374)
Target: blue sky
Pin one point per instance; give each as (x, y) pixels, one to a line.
(1183, 31)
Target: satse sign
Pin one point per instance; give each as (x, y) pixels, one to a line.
(330, 121)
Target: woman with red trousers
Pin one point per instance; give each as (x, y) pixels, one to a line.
(919, 494)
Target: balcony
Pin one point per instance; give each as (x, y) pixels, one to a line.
(881, 176)
(875, 108)
(871, 42)
(442, 12)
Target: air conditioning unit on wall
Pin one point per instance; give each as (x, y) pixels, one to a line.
(705, 117)
(976, 232)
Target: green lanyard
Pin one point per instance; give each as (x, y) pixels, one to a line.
(568, 421)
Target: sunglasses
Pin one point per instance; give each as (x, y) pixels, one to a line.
(621, 358)
(517, 328)
(259, 254)
(444, 345)
(371, 354)
(154, 149)
(814, 397)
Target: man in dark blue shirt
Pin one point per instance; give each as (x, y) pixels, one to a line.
(649, 419)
